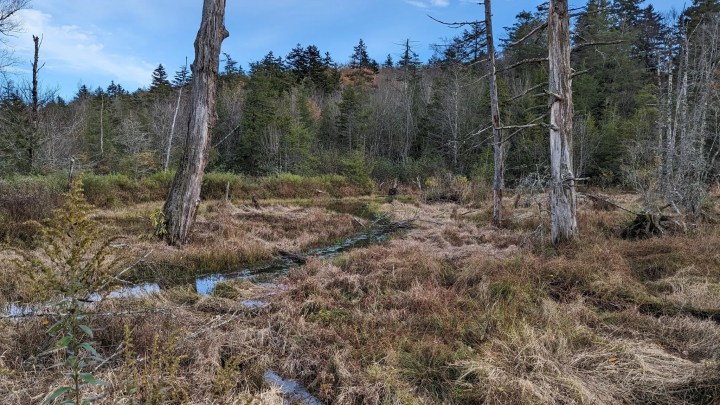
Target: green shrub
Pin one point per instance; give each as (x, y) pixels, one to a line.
(109, 190)
(156, 186)
(356, 169)
(215, 183)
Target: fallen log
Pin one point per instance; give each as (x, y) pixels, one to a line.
(645, 224)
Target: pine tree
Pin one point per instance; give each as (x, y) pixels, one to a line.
(297, 63)
(693, 15)
(82, 94)
(160, 82)
(232, 67)
(182, 77)
(627, 12)
(360, 59)
(114, 90)
(388, 64)
(363, 67)
(409, 59)
(651, 36)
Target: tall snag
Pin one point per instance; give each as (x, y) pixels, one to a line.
(184, 196)
(562, 184)
(35, 107)
(498, 177)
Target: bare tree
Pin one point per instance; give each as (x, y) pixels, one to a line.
(498, 173)
(691, 133)
(184, 196)
(168, 149)
(60, 132)
(562, 184)
(35, 104)
(9, 25)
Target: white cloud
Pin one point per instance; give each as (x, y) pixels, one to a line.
(428, 4)
(73, 49)
(415, 3)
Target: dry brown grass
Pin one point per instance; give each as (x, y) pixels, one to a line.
(460, 312)
(452, 311)
(227, 237)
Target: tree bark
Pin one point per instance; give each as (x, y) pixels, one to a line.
(184, 196)
(562, 188)
(35, 104)
(102, 126)
(166, 163)
(498, 176)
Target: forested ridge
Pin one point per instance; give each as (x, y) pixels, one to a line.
(645, 90)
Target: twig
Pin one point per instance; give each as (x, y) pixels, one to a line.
(598, 43)
(210, 326)
(117, 351)
(523, 94)
(531, 33)
(125, 270)
(523, 126)
(456, 24)
(523, 62)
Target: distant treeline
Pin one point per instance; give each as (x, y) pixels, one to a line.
(646, 92)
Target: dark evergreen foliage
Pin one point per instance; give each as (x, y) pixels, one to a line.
(160, 82)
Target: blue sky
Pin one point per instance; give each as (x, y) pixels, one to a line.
(92, 42)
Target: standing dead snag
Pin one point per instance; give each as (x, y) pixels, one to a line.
(184, 196)
(35, 107)
(563, 200)
(498, 180)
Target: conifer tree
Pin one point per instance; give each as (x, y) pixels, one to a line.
(693, 15)
(160, 82)
(182, 77)
(388, 64)
(82, 93)
(360, 59)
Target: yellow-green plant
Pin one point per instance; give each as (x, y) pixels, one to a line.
(159, 222)
(156, 381)
(71, 266)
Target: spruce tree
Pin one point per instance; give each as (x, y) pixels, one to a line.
(231, 67)
(360, 59)
(182, 77)
(388, 64)
(82, 94)
(297, 63)
(409, 59)
(362, 65)
(693, 15)
(160, 82)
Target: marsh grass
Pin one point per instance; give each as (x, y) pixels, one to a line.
(451, 311)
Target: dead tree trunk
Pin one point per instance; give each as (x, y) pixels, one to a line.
(166, 164)
(184, 196)
(562, 188)
(102, 126)
(498, 177)
(35, 104)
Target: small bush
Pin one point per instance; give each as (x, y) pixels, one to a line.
(109, 190)
(24, 199)
(156, 186)
(215, 184)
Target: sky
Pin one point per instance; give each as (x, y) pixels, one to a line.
(94, 42)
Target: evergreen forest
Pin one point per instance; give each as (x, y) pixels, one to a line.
(645, 93)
